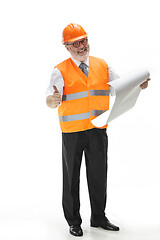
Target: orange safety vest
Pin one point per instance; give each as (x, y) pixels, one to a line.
(83, 98)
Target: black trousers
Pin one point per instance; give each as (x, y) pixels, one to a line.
(94, 143)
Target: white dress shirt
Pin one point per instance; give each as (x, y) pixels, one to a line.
(58, 81)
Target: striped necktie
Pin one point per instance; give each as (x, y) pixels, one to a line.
(84, 68)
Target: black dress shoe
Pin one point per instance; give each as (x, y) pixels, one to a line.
(76, 231)
(105, 224)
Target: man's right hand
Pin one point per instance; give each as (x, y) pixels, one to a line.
(54, 100)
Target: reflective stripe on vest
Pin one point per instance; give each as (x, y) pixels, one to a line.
(79, 95)
(74, 117)
(99, 92)
(74, 96)
(97, 112)
(80, 116)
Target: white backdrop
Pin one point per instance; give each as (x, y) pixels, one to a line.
(124, 33)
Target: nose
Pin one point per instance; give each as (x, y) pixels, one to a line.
(81, 45)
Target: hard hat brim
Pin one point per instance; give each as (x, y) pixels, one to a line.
(75, 39)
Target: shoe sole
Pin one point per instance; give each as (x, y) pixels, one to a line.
(80, 235)
(93, 225)
(96, 226)
(76, 235)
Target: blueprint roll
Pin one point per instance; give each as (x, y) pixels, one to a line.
(125, 91)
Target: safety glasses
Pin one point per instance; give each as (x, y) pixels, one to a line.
(77, 43)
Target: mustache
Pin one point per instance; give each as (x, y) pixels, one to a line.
(83, 49)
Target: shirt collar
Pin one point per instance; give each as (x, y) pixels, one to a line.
(78, 62)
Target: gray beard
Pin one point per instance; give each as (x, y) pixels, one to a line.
(81, 58)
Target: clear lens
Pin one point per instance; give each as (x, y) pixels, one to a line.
(83, 41)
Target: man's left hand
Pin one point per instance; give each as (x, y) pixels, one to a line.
(145, 84)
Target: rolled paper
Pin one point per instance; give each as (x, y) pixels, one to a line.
(124, 93)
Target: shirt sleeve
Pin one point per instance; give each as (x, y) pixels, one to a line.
(57, 80)
(112, 74)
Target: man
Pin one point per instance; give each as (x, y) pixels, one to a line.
(79, 88)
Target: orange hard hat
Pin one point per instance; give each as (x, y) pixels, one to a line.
(73, 32)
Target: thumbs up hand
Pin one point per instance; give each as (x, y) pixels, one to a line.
(56, 96)
(54, 100)
(55, 89)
